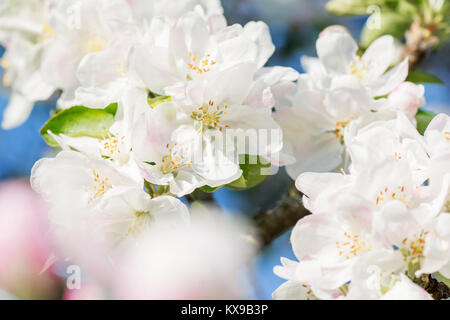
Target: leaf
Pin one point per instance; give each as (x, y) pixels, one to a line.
(421, 77)
(209, 189)
(251, 174)
(156, 99)
(79, 121)
(390, 23)
(423, 119)
(345, 7)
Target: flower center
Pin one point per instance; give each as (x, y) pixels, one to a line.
(388, 194)
(93, 42)
(141, 220)
(121, 67)
(110, 145)
(412, 249)
(398, 156)
(208, 116)
(47, 32)
(351, 246)
(340, 128)
(200, 66)
(359, 69)
(100, 187)
(447, 135)
(309, 293)
(174, 159)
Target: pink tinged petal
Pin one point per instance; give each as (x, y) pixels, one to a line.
(408, 97)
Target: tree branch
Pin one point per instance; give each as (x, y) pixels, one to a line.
(273, 223)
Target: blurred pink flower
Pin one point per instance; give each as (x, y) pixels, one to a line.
(205, 260)
(86, 292)
(24, 248)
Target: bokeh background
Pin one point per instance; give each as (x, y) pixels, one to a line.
(294, 25)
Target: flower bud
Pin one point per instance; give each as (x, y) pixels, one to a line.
(408, 97)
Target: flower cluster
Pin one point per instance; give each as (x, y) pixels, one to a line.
(156, 100)
(380, 226)
(159, 98)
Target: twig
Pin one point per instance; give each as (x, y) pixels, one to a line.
(419, 42)
(273, 223)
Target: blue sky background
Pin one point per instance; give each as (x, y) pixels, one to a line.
(294, 24)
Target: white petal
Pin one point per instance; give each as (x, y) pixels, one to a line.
(336, 48)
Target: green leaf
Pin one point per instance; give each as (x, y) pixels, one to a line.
(251, 174)
(421, 77)
(443, 279)
(156, 99)
(423, 119)
(346, 7)
(391, 23)
(209, 189)
(79, 121)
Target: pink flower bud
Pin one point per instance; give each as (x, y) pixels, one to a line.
(408, 97)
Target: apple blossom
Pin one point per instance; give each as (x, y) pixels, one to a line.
(110, 205)
(337, 57)
(408, 97)
(23, 32)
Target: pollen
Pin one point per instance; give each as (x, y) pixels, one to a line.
(447, 135)
(174, 159)
(413, 249)
(209, 116)
(351, 246)
(110, 145)
(359, 69)
(387, 193)
(100, 187)
(340, 128)
(200, 66)
(121, 67)
(47, 33)
(92, 42)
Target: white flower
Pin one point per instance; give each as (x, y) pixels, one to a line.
(395, 139)
(377, 277)
(316, 123)
(217, 111)
(437, 136)
(80, 31)
(145, 10)
(391, 207)
(408, 97)
(405, 289)
(91, 196)
(337, 52)
(193, 49)
(165, 150)
(23, 33)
